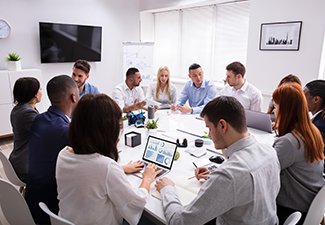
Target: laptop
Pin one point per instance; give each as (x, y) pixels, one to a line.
(259, 120)
(160, 152)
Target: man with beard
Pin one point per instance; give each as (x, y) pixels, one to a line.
(243, 189)
(80, 75)
(128, 95)
(247, 94)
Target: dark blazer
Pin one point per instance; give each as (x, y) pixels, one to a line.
(319, 122)
(21, 118)
(48, 135)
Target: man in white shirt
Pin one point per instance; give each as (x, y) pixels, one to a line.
(129, 95)
(240, 191)
(248, 95)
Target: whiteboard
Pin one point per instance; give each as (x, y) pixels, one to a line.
(140, 56)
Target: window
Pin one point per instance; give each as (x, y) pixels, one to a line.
(212, 36)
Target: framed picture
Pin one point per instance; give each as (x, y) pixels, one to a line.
(284, 36)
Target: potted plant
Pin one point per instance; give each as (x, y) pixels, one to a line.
(13, 61)
(125, 121)
(151, 127)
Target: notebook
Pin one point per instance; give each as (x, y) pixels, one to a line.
(258, 120)
(186, 189)
(160, 152)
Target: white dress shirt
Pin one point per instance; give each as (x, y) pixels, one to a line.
(124, 96)
(249, 96)
(93, 189)
(163, 97)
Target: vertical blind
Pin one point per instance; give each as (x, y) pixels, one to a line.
(212, 36)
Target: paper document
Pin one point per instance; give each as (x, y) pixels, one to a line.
(186, 189)
(151, 102)
(195, 151)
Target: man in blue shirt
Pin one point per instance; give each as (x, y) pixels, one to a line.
(198, 91)
(80, 75)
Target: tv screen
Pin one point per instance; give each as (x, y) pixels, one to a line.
(68, 43)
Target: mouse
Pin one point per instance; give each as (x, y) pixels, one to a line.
(216, 159)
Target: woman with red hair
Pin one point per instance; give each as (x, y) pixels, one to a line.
(299, 148)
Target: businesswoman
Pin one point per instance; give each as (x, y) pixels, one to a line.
(92, 186)
(27, 93)
(299, 147)
(287, 79)
(162, 90)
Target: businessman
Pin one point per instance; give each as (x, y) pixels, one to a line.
(248, 95)
(80, 75)
(243, 189)
(198, 91)
(48, 135)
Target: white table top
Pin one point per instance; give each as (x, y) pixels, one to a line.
(170, 121)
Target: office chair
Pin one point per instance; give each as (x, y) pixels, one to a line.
(315, 212)
(293, 219)
(11, 174)
(13, 205)
(55, 219)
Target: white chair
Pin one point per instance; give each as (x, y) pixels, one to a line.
(293, 219)
(13, 205)
(55, 219)
(11, 174)
(315, 212)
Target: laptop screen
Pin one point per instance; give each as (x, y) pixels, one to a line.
(160, 152)
(258, 120)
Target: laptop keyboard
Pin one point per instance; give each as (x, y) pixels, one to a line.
(159, 174)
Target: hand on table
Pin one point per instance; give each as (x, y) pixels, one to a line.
(173, 107)
(163, 182)
(184, 109)
(198, 173)
(133, 167)
(156, 108)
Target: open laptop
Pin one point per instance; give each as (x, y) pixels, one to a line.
(160, 152)
(258, 120)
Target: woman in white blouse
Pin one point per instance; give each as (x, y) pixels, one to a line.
(92, 186)
(162, 90)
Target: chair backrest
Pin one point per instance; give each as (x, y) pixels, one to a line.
(10, 172)
(55, 219)
(13, 205)
(293, 218)
(316, 210)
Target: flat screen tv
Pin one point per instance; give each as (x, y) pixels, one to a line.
(68, 42)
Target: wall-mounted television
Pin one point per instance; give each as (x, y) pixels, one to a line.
(69, 42)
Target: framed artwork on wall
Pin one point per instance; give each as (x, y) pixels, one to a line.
(281, 36)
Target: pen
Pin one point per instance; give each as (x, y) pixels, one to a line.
(141, 109)
(211, 150)
(208, 171)
(189, 133)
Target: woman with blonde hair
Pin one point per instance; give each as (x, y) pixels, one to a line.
(162, 90)
(299, 147)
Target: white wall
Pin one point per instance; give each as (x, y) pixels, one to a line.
(266, 68)
(119, 21)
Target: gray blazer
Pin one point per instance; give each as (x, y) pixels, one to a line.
(21, 117)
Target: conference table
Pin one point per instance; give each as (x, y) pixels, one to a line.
(168, 123)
